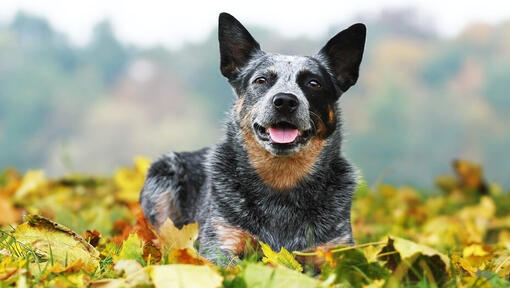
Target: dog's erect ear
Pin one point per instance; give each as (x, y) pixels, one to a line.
(236, 45)
(344, 53)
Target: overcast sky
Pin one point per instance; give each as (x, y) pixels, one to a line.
(172, 23)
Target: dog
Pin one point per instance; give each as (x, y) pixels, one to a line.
(279, 175)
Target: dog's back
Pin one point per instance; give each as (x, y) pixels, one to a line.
(172, 187)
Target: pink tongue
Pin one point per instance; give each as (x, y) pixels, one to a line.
(281, 135)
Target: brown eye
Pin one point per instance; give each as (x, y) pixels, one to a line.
(260, 81)
(314, 84)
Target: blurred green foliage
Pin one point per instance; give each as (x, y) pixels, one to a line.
(420, 100)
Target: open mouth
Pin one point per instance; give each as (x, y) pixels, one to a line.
(282, 134)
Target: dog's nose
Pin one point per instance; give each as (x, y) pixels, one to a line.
(285, 102)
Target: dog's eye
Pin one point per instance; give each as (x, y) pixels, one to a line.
(260, 81)
(314, 84)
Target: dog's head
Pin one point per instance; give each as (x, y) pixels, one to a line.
(286, 101)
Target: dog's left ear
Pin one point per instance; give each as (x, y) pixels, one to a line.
(236, 45)
(344, 53)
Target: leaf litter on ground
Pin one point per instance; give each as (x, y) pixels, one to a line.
(82, 231)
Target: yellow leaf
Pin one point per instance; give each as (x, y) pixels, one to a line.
(408, 249)
(132, 248)
(129, 181)
(32, 180)
(56, 242)
(482, 212)
(371, 253)
(142, 164)
(474, 250)
(463, 264)
(432, 263)
(185, 276)
(171, 237)
(378, 283)
(284, 257)
(476, 256)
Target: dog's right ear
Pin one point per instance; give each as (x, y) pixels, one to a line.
(236, 45)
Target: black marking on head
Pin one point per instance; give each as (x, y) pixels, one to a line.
(343, 54)
(321, 100)
(237, 45)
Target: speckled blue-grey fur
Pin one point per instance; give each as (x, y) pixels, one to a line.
(220, 184)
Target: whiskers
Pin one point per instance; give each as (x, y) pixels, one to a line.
(317, 118)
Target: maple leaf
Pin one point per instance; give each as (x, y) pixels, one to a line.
(171, 237)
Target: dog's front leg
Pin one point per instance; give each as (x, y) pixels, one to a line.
(223, 243)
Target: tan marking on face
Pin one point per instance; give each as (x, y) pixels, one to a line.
(331, 115)
(239, 105)
(321, 129)
(281, 172)
(234, 239)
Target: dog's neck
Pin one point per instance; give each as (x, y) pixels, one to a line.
(282, 172)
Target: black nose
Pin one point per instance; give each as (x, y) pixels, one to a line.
(285, 102)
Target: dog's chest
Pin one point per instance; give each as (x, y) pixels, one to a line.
(282, 220)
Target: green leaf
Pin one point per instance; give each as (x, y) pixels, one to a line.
(415, 261)
(354, 268)
(132, 248)
(258, 275)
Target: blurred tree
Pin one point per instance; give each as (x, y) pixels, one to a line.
(497, 88)
(105, 53)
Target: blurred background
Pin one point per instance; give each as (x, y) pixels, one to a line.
(86, 86)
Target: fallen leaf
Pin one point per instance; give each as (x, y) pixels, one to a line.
(353, 268)
(92, 237)
(258, 275)
(185, 276)
(187, 256)
(402, 256)
(130, 180)
(132, 248)
(134, 276)
(32, 180)
(56, 242)
(284, 257)
(151, 253)
(170, 237)
(463, 265)
(10, 214)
